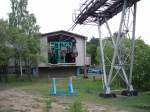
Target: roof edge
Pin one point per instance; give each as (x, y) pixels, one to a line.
(63, 31)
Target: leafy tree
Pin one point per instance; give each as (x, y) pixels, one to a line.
(94, 41)
(21, 18)
(108, 50)
(91, 49)
(5, 48)
(141, 72)
(123, 49)
(19, 43)
(25, 40)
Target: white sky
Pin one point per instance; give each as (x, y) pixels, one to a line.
(53, 15)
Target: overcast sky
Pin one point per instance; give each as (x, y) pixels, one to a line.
(53, 15)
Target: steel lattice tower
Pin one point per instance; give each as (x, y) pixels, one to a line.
(99, 12)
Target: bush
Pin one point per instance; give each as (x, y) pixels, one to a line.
(76, 107)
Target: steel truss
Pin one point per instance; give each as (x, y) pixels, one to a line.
(123, 28)
(121, 64)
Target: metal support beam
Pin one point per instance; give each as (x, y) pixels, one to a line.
(54, 86)
(117, 42)
(132, 46)
(70, 86)
(118, 57)
(110, 33)
(106, 87)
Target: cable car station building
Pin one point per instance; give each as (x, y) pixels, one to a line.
(63, 53)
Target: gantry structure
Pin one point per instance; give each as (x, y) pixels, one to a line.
(99, 12)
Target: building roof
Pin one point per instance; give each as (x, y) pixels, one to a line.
(62, 32)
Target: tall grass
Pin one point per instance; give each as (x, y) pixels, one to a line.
(76, 107)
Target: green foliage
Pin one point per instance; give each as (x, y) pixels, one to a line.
(21, 18)
(91, 87)
(91, 49)
(19, 37)
(108, 49)
(7, 110)
(76, 107)
(24, 33)
(48, 104)
(123, 49)
(141, 72)
(5, 50)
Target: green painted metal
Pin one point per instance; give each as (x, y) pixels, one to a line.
(56, 47)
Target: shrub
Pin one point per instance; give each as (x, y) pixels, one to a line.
(76, 107)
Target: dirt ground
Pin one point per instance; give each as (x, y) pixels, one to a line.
(63, 105)
(16, 100)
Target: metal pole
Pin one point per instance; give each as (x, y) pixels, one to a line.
(133, 45)
(107, 25)
(106, 88)
(71, 91)
(116, 46)
(54, 86)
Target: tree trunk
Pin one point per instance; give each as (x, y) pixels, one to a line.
(30, 72)
(6, 73)
(20, 60)
(0, 74)
(3, 73)
(16, 68)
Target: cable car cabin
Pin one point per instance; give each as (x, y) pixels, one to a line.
(62, 49)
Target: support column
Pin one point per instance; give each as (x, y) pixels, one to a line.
(85, 72)
(132, 47)
(106, 87)
(70, 86)
(54, 86)
(78, 71)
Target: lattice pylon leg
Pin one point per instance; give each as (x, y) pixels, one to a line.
(106, 88)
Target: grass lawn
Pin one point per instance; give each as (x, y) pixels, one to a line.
(88, 90)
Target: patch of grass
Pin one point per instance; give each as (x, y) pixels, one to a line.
(147, 93)
(48, 104)
(7, 110)
(88, 90)
(88, 86)
(37, 87)
(76, 107)
(146, 107)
